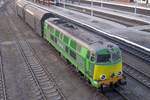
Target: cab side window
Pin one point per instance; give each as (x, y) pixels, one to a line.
(52, 37)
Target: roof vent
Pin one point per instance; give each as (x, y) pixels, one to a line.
(110, 46)
(59, 21)
(70, 26)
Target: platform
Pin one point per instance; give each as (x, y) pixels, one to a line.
(119, 13)
(125, 4)
(128, 7)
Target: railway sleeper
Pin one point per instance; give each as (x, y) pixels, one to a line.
(40, 74)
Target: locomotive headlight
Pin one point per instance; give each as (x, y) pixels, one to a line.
(120, 73)
(103, 77)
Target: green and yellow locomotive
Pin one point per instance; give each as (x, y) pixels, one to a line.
(99, 60)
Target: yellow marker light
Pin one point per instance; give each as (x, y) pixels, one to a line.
(103, 77)
(120, 73)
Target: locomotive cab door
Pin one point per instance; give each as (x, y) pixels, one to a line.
(89, 64)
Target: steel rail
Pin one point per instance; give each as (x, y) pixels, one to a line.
(31, 70)
(3, 95)
(43, 85)
(46, 71)
(123, 95)
(44, 81)
(138, 75)
(37, 73)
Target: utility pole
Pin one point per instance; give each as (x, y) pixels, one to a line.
(91, 7)
(64, 3)
(101, 3)
(135, 7)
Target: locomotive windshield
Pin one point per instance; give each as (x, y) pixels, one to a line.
(103, 58)
(110, 57)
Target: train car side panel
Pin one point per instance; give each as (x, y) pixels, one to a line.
(68, 48)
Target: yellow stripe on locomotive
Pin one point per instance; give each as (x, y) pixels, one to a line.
(107, 71)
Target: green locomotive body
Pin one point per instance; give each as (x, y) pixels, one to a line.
(99, 61)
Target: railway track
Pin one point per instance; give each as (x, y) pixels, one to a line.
(144, 55)
(138, 75)
(43, 82)
(137, 52)
(110, 95)
(3, 95)
(117, 94)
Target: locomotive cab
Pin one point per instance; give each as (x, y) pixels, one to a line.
(108, 66)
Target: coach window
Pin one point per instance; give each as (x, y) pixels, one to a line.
(73, 44)
(61, 36)
(57, 33)
(78, 48)
(45, 26)
(72, 54)
(52, 37)
(51, 29)
(66, 49)
(55, 39)
(66, 39)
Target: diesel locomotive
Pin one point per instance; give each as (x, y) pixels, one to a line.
(99, 60)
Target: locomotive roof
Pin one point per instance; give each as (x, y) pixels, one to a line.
(22, 3)
(86, 38)
(35, 11)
